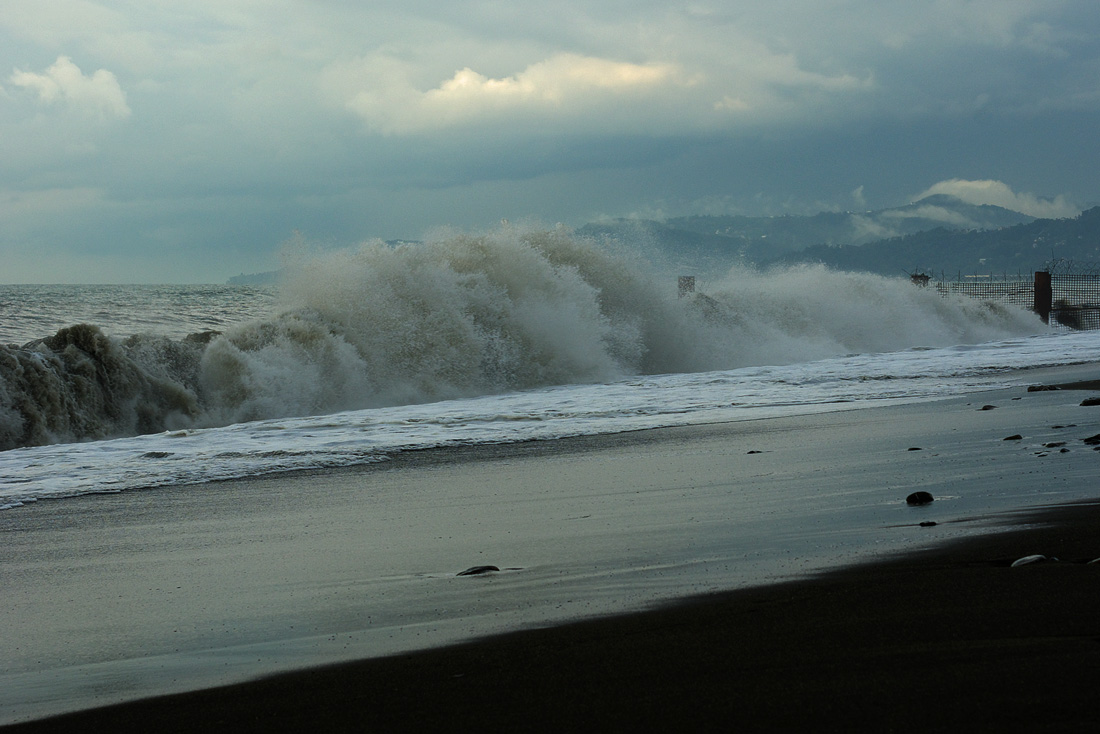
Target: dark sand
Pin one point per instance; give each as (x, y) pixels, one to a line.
(946, 639)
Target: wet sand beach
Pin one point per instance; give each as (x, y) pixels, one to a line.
(692, 557)
(942, 640)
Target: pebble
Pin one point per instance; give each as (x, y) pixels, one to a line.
(1027, 560)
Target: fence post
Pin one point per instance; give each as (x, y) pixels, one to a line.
(1044, 295)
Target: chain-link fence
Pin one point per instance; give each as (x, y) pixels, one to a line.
(1066, 295)
(1075, 301)
(1017, 291)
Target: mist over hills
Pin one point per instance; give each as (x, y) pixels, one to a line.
(852, 228)
(938, 234)
(1020, 249)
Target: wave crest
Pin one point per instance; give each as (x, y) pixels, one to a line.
(81, 384)
(465, 315)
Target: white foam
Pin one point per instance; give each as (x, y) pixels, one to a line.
(362, 436)
(464, 316)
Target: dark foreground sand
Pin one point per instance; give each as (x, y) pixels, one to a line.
(947, 639)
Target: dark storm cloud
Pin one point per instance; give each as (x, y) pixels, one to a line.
(185, 142)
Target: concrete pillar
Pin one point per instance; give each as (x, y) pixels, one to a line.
(1044, 295)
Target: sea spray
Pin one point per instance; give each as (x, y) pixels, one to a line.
(809, 312)
(463, 315)
(81, 384)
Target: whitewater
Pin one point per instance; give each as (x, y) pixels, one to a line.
(515, 335)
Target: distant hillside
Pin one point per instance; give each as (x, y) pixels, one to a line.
(707, 241)
(703, 243)
(772, 236)
(938, 234)
(1023, 248)
(267, 278)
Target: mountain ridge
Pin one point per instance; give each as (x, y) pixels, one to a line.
(1019, 249)
(938, 234)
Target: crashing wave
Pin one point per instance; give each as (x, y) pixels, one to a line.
(464, 315)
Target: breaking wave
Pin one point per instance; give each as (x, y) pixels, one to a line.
(459, 316)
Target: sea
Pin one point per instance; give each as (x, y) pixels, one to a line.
(358, 355)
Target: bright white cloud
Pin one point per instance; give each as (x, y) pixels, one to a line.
(593, 93)
(565, 85)
(553, 80)
(1000, 194)
(64, 82)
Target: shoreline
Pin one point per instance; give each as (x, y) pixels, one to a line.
(928, 640)
(603, 525)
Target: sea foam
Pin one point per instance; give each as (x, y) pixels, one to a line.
(463, 315)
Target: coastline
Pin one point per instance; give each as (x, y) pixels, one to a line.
(663, 515)
(928, 641)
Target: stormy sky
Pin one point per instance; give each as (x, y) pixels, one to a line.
(164, 141)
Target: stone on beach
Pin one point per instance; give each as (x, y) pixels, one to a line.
(919, 498)
(478, 570)
(1028, 560)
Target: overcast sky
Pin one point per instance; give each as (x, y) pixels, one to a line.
(160, 141)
